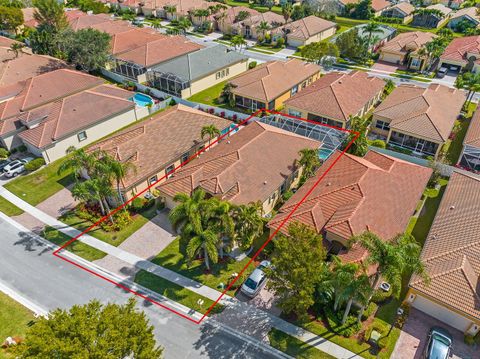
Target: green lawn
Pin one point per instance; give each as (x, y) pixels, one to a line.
(410, 77)
(294, 347)
(266, 48)
(210, 96)
(456, 146)
(276, 8)
(39, 185)
(347, 22)
(14, 321)
(80, 249)
(9, 208)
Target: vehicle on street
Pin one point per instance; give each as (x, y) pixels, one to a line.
(439, 344)
(256, 281)
(14, 168)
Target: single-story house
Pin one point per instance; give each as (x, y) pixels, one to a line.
(378, 6)
(156, 146)
(451, 255)
(470, 158)
(463, 52)
(191, 73)
(268, 85)
(452, 4)
(433, 16)
(305, 31)
(403, 10)
(225, 19)
(257, 164)
(376, 193)
(418, 119)
(248, 27)
(403, 49)
(466, 15)
(336, 97)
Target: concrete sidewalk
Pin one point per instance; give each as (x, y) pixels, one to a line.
(236, 312)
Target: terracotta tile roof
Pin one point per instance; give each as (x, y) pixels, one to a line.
(305, 28)
(405, 7)
(468, 11)
(40, 90)
(376, 193)
(69, 115)
(458, 49)
(440, 7)
(427, 112)
(472, 138)
(271, 79)
(248, 167)
(232, 13)
(156, 143)
(452, 250)
(409, 41)
(338, 95)
(86, 21)
(270, 17)
(28, 19)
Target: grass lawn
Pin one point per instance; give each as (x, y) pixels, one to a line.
(456, 146)
(39, 185)
(347, 22)
(80, 249)
(9, 208)
(266, 48)
(294, 347)
(277, 9)
(171, 258)
(113, 238)
(210, 96)
(410, 77)
(14, 321)
(175, 292)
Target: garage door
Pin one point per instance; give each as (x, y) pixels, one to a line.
(387, 57)
(438, 312)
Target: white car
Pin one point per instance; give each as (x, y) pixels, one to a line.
(256, 281)
(14, 168)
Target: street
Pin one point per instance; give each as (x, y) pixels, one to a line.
(30, 269)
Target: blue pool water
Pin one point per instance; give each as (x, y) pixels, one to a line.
(324, 153)
(142, 100)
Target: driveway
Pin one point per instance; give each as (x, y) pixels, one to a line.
(59, 203)
(413, 338)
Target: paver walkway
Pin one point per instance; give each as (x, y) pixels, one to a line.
(259, 322)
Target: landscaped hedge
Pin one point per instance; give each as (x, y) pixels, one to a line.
(34, 164)
(351, 326)
(370, 310)
(380, 296)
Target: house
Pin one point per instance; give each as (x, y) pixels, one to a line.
(433, 16)
(462, 52)
(467, 17)
(403, 10)
(452, 4)
(191, 73)
(305, 31)
(226, 18)
(257, 164)
(268, 85)
(470, 158)
(336, 97)
(159, 144)
(451, 255)
(378, 6)
(350, 195)
(404, 49)
(377, 39)
(418, 119)
(248, 27)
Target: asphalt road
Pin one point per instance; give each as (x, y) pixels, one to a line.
(31, 270)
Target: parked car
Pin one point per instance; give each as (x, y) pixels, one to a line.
(256, 281)
(441, 72)
(439, 344)
(3, 164)
(14, 168)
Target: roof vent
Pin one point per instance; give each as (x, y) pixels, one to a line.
(265, 182)
(452, 207)
(329, 184)
(228, 142)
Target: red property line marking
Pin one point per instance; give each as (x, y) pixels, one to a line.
(124, 287)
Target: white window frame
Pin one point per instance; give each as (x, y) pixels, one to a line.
(82, 136)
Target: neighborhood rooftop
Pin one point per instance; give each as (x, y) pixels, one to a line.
(408, 41)
(460, 49)
(305, 28)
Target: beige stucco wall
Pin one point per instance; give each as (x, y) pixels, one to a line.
(296, 42)
(392, 57)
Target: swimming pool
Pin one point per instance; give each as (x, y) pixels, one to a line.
(142, 100)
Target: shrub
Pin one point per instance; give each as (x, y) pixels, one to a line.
(348, 329)
(370, 310)
(252, 65)
(22, 148)
(287, 195)
(382, 329)
(379, 296)
(173, 102)
(4, 153)
(378, 143)
(469, 339)
(34, 164)
(137, 204)
(403, 318)
(280, 42)
(160, 205)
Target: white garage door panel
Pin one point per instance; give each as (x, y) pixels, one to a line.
(438, 312)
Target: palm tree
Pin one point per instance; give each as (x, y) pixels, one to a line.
(310, 161)
(371, 28)
(170, 9)
(188, 210)
(242, 15)
(238, 41)
(470, 82)
(156, 23)
(359, 127)
(358, 289)
(201, 13)
(206, 241)
(211, 131)
(341, 275)
(221, 222)
(119, 170)
(228, 95)
(263, 27)
(249, 224)
(183, 24)
(16, 48)
(88, 191)
(80, 161)
(287, 10)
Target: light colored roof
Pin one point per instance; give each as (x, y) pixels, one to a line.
(442, 8)
(69, 115)
(338, 95)
(458, 49)
(404, 7)
(472, 138)
(87, 21)
(232, 12)
(247, 167)
(305, 28)
(155, 143)
(271, 79)
(409, 41)
(427, 112)
(471, 12)
(198, 64)
(452, 250)
(377, 193)
(273, 19)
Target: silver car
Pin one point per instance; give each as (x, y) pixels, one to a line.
(14, 168)
(256, 281)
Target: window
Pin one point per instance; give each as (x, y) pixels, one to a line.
(381, 125)
(294, 90)
(152, 180)
(82, 136)
(295, 113)
(416, 62)
(222, 74)
(169, 171)
(185, 157)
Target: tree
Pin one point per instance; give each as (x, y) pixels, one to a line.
(92, 330)
(363, 10)
(156, 23)
(222, 222)
(263, 27)
(309, 161)
(201, 13)
(16, 48)
(118, 171)
(203, 242)
(359, 146)
(340, 276)
(183, 24)
(10, 18)
(50, 13)
(350, 44)
(371, 28)
(242, 15)
(211, 131)
(298, 265)
(301, 11)
(249, 224)
(238, 41)
(228, 95)
(357, 289)
(80, 162)
(470, 82)
(315, 51)
(287, 10)
(170, 9)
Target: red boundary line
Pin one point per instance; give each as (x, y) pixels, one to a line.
(56, 252)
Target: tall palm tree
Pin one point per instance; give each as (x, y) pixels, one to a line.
(263, 27)
(358, 289)
(170, 9)
(371, 28)
(249, 224)
(310, 161)
(359, 127)
(78, 160)
(206, 241)
(183, 24)
(238, 41)
(228, 95)
(118, 171)
(221, 222)
(341, 275)
(470, 82)
(211, 131)
(16, 48)
(88, 191)
(287, 10)
(188, 210)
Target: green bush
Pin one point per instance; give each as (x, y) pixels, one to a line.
(382, 329)
(287, 195)
(34, 164)
(280, 42)
(378, 143)
(252, 65)
(379, 296)
(4, 153)
(137, 204)
(370, 310)
(351, 326)
(22, 148)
